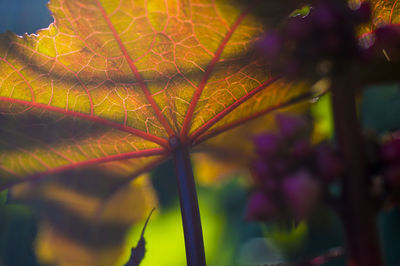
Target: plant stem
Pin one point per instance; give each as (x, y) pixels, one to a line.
(358, 210)
(189, 206)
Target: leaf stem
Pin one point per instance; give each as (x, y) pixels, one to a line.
(189, 206)
(358, 212)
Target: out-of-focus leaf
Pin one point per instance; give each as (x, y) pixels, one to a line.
(289, 240)
(74, 230)
(165, 241)
(212, 170)
(321, 111)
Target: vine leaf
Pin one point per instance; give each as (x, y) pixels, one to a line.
(110, 81)
(103, 88)
(92, 100)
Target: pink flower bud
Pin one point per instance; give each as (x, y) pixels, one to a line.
(266, 144)
(290, 125)
(301, 191)
(329, 164)
(271, 45)
(260, 207)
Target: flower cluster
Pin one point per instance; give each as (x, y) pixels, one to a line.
(290, 173)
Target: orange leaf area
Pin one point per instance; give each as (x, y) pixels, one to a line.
(89, 103)
(114, 80)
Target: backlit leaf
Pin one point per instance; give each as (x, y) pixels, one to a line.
(106, 85)
(114, 80)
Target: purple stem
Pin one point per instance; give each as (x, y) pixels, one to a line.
(189, 206)
(359, 215)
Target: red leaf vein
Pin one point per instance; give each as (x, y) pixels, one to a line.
(95, 119)
(228, 126)
(229, 109)
(135, 72)
(109, 158)
(207, 74)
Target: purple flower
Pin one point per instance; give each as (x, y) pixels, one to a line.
(301, 191)
(271, 45)
(260, 207)
(329, 164)
(291, 125)
(266, 144)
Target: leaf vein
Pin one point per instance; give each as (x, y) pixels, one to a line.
(135, 71)
(207, 74)
(95, 119)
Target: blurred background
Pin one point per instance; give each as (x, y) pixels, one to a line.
(229, 238)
